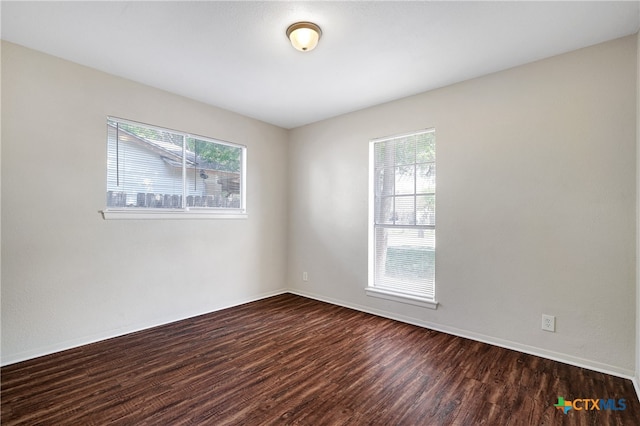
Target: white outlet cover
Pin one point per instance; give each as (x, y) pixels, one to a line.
(549, 323)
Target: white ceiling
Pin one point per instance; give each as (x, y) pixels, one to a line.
(235, 55)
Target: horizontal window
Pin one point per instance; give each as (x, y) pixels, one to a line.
(156, 172)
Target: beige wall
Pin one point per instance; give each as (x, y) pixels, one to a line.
(70, 277)
(536, 209)
(637, 375)
(536, 206)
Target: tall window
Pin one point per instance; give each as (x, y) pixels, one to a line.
(150, 168)
(402, 218)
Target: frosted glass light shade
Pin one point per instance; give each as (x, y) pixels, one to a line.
(304, 36)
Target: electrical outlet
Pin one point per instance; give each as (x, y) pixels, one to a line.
(549, 323)
(305, 276)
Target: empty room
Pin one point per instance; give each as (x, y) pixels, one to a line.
(226, 213)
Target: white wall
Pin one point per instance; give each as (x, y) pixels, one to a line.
(536, 206)
(68, 276)
(537, 167)
(637, 375)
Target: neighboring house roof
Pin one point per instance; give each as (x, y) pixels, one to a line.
(172, 153)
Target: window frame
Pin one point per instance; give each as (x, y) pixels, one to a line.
(184, 212)
(371, 289)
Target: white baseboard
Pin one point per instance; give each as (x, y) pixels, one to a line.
(555, 356)
(531, 350)
(86, 340)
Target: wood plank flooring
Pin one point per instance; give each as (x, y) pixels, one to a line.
(292, 360)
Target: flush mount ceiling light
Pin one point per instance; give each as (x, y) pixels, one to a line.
(304, 36)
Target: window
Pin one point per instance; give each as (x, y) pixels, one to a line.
(154, 171)
(402, 218)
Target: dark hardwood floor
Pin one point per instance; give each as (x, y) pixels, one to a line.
(293, 360)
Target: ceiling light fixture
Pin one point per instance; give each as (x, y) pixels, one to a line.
(304, 36)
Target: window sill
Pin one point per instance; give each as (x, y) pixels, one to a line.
(175, 214)
(403, 298)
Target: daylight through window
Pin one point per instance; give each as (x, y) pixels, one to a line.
(403, 217)
(153, 168)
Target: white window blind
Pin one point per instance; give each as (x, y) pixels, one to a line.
(403, 215)
(153, 168)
